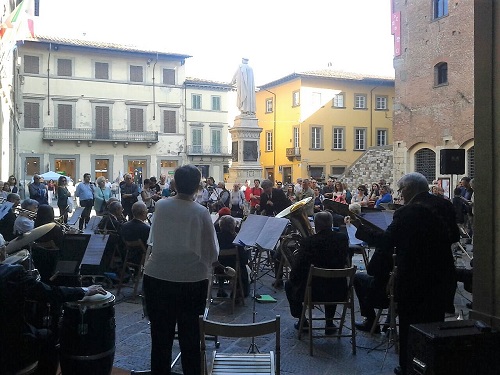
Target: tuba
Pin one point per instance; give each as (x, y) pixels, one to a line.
(296, 213)
(290, 243)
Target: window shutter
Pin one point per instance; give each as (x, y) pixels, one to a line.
(64, 67)
(169, 122)
(101, 70)
(64, 116)
(169, 76)
(31, 115)
(136, 120)
(31, 64)
(136, 73)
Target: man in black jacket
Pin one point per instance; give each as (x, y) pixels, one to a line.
(325, 249)
(272, 201)
(23, 344)
(422, 231)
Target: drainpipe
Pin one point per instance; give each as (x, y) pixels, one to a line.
(371, 116)
(275, 108)
(154, 94)
(48, 81)
(185, 119)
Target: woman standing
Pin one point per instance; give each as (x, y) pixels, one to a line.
(237, 201)
(101, 196)
(290, 193)
(13, 184)
(62, 198)
(147, 194)
(183, 248)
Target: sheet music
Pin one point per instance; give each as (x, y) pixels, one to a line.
(381, 219)
(262, 231)
(5, 208)
(95, 249)
(351, 233)
(76, 215)
(92, 225)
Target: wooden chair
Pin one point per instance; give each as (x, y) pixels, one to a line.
(131, 247)
(235, 283)
(347, 304)
(241, 364)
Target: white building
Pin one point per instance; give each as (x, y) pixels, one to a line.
(108, 109)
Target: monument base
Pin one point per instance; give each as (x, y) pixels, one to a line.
(239, 174)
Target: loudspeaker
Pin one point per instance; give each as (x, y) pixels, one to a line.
(452, 161)
(460, 347)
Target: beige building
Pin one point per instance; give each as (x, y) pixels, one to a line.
(109, 109)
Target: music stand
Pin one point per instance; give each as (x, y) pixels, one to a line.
(91, 265)
(73, 219)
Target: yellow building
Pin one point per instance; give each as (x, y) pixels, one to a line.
(318, 123)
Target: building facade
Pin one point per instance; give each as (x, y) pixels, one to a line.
(319, 123)
(107, 109)
(434, 73)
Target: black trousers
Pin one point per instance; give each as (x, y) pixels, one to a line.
(296, 298)
(370, 295)
(170, 303)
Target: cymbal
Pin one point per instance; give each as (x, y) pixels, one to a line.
(28, 237)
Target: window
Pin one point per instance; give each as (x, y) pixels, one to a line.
(195, 101)
(136, 73)
(102, 122)
(169, 76)
(101, 70)
(31, 115)
(136, 120)
(338, 100)
(360, 139)
(269, 105)
(381, 137)
(381, 103)
(317, 172)
(296, 98)
(440, 74)
(215, 135)
(360, 101)
(32, 166)
(316, 143)
(338, 138)
(169, 121)
(197, 140)
(64, 68)
(269, 141)
(31, 64)
(440, 8)
(338, 170)
(215, 103)
(296, 137)
(64, 116)
(101, 168)
(425, 163)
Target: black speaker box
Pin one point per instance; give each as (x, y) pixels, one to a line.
(452, 161)
(460, 347)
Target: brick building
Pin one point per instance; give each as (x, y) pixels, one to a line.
(434, 84)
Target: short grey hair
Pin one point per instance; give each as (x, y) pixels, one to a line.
(266, 184)
(29, 202)
(227, 223)
(100, 179)
(415, 182)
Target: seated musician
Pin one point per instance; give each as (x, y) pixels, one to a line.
(111, 224)
(7, 222)
(23, 344)
(24, 222)
(226, 237)
(326, 249)
(46, 249)
(136, 229)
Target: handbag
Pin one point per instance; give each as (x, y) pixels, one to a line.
(70, 204)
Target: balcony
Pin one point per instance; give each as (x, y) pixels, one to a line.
(90, 135)
(293, 152)
(207, 150)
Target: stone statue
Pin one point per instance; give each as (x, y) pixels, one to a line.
(245, 87)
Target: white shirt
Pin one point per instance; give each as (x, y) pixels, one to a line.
(183, 240)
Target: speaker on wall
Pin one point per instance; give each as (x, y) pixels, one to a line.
(452, 161)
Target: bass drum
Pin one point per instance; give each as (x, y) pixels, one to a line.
(88, 336)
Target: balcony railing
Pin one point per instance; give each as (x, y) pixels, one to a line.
(293, 152)
(207, 150)
(54, 134)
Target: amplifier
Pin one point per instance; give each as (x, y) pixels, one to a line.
(460, 347)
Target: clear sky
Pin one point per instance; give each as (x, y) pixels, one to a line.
(278, 36)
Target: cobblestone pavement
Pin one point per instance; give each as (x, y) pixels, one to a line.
(331, 355)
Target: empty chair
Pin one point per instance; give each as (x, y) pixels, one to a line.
(245, 363)
(135, 255)
(347, 304)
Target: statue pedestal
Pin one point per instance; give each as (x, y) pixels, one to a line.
(245, 135)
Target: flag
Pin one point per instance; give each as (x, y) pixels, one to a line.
(20, 23)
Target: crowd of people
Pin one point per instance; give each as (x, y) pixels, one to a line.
(184, 252)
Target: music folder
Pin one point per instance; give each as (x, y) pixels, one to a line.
(95, 249)
(76, 215)
(260, 231)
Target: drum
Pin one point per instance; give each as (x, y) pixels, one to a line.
(23, 258)
(87, 335)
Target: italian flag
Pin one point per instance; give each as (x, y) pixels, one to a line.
(18, 20)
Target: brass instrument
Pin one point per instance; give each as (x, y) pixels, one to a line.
(296, 213)
(31, 214)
